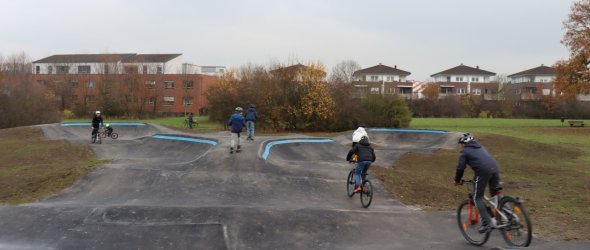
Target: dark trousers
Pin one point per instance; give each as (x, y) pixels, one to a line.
(479, 187)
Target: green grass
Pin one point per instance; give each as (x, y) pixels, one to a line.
(541, 160)
(177, 122)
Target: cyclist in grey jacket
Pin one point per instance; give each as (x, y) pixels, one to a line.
(486, 171)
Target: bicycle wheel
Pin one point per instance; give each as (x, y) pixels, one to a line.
(469, 220)
(114, 135)
(519, 230)
(350, 184)
(367, 193)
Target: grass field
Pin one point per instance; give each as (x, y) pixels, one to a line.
(541, 161)
(33, 168)
(204, 125)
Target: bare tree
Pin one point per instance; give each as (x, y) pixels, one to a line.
(343, 72)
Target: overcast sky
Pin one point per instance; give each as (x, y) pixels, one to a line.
(420, 36)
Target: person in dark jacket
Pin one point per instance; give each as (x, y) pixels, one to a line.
(251, 117)
(366, 156)
(96, 123)
(190, 120)
(486, 172)
(236, 121)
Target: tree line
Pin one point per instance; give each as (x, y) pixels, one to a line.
(298, 98)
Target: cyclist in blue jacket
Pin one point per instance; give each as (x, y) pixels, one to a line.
(236, 121)
(486, 171)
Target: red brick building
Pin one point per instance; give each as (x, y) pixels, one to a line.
(122, 84)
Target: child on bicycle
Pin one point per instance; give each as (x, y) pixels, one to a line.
(366, 156)
(108, 129)
(486, 171)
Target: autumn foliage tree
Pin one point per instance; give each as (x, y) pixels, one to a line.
(573, 76)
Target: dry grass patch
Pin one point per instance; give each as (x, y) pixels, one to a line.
(32, 168)
(552, 179)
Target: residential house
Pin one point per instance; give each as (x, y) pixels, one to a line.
(533, 84)
(463, 79)
(382, 79)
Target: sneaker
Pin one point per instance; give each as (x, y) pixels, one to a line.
(358, 189)
(231, 150)
(484, 229)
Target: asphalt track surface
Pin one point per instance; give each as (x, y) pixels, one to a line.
(164, 189)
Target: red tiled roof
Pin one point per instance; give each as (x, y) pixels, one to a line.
(382, 69)
(464, 70)
(541, 70)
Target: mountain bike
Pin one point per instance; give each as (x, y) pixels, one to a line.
(366, 193)
(507, 215)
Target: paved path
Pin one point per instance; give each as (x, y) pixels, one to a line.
(190, 193)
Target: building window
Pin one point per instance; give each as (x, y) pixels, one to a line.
(460, 91)
(106, 68)
(144, 69)
(150, 84)
(90, 99)
(62, 69)
(149, 100)
(83, 69)
(169, 84)
(188, 101)
(475, 79)
(405, 90)
(159, 70)
(477, 91)
(374, 78)
(188, 84)
(50, 70)
(546, 91)
(90, 84)
(168, 100)
(374, 90)
(446, 90)
(458, 79)
(130, 69)
(37, 70)
(74, 83)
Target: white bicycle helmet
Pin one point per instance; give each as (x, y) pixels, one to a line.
(465, 138)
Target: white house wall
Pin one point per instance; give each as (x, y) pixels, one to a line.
(466, 78)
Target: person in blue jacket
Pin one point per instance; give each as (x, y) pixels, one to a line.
(486, 171)
(251, 117)
(236, 122)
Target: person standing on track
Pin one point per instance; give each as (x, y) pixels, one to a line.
(96, 123)
(486, 172)
(236, 121)
(366, 156)
(251, 117)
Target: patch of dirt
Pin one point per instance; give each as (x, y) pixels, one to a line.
(33, 168)
(550, 178)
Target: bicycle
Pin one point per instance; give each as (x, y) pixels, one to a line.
(96, 137)
(366, 194)
(105, 134)
(507, 215)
